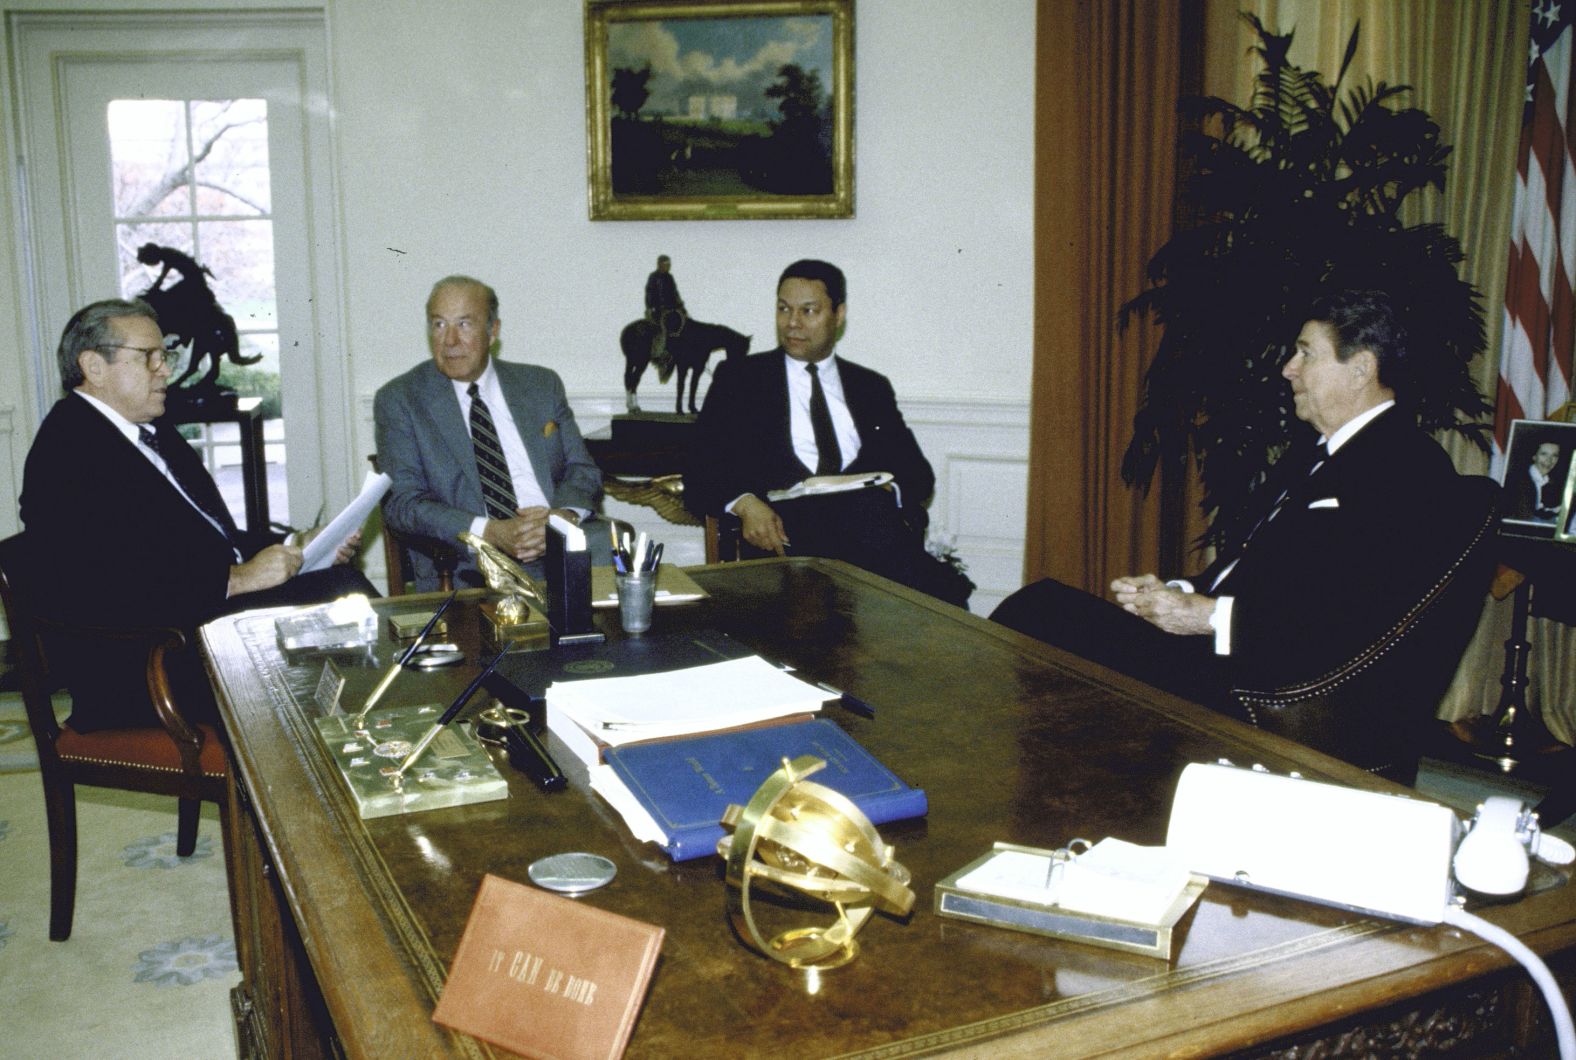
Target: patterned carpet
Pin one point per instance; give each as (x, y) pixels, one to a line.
(150, 962)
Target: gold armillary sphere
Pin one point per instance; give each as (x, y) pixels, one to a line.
(805, 837)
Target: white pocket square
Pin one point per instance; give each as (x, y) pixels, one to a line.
(1326, 502)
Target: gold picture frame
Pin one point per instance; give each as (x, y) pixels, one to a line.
(719, 109)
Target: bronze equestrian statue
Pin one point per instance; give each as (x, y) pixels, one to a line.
(688, 350)
(189, 312)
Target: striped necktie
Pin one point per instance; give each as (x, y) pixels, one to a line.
(829, 455)
(497, 488)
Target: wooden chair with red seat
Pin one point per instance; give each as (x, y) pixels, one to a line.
(176, 758)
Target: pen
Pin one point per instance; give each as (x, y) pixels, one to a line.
(849, 702)
(450, 714)
(527, 754)
(399, 664)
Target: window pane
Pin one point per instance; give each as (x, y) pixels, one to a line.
(148, 157)
(232, 177)
(136, 277)
(241, 256)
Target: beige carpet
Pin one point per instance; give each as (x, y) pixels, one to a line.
(150, 962)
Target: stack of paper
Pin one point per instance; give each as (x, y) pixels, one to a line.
(594, 713)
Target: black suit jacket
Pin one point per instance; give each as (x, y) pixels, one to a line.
(122, 548)
(743, 442)
(1347, 553)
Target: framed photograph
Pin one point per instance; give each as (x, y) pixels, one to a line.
(717, 109)
(1538, 469)
(1565, 526)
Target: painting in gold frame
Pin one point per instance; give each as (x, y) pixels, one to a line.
(718, 109)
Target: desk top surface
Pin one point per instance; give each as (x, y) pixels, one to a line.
(1011, 739)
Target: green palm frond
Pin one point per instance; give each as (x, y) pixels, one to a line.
(1294, 196)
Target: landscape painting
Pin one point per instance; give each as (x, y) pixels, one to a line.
(720, 110)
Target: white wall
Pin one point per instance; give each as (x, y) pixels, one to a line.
(460, 146)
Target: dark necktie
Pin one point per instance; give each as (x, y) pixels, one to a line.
(1316, 460)
(829, 456)
(201, 493)
(497, 488)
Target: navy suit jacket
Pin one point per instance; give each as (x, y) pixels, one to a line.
(122, 548)
(743, 442)
(424, 445)
(1349, 550)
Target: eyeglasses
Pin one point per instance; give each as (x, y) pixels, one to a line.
(156, 356)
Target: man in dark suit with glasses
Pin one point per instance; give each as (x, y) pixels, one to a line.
(131, 529)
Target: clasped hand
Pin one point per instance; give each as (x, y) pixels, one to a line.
(1157, 603)
(525, 536)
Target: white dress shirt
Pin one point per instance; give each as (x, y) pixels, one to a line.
(799, 427)
(522, 474)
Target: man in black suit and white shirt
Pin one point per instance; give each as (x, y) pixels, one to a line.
(130, 530)
(1341, 555)
(773, 419)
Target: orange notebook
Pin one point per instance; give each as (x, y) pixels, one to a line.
(546, 976)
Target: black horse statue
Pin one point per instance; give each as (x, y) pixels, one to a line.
(689, 349)
(188, 312)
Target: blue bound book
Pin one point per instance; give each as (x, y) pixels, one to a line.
(685, 784)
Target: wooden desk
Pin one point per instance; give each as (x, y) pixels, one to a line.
(347, 927)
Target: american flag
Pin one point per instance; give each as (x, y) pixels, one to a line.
(1540, 301)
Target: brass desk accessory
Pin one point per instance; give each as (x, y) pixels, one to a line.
(396, 774)
(520, 615)
(805, 837)
(365, 749)
(359, 722)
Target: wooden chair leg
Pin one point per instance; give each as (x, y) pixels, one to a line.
(186, 826)
(60, 808)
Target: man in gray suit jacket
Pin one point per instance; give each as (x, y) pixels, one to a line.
(448, 426)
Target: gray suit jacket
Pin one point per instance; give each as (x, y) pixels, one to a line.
(425, 447)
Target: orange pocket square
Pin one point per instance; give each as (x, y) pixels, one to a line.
(548, 428)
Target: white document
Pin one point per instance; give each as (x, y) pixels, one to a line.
(320, 553)
(641, 824)
(619, 710)
(1113, 878)
(819, 485)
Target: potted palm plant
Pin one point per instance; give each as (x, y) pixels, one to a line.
(1294, 196)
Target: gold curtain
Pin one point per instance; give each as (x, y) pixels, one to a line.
(1105, 136)
(1466, 61)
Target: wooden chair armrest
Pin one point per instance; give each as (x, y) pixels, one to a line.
(160, 641)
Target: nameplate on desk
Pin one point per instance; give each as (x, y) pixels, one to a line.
(546, 976)
(329, 687)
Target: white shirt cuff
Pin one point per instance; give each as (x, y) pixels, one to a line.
(479, 526)
(1220, 622)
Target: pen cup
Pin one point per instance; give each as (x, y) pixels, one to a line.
(637, 594)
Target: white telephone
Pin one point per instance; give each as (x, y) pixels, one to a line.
(1381, 854)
